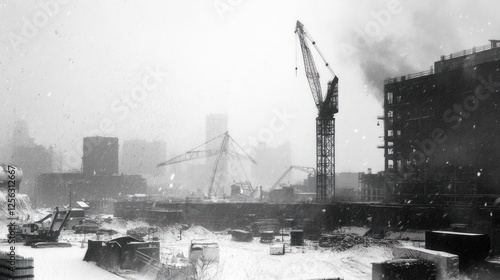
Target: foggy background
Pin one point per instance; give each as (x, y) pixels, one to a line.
(83, 68)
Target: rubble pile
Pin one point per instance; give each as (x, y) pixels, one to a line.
(141, 232)
(344, 241)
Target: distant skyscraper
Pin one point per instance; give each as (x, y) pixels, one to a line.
(140, 157)
(32, 158)
(216, 124)
(100, 156)
(21, 136)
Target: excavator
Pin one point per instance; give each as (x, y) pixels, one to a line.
(37, 235)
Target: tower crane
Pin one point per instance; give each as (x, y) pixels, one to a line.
(227, 149)
(325, 122)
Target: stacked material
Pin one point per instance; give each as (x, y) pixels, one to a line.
(16, 267)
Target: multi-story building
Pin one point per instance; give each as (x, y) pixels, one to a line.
(216, 124)
(98, 182)
(441, 127)
(100, 156)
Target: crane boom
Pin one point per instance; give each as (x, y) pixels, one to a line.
(311, 171)
(224, 150)
(310, 67)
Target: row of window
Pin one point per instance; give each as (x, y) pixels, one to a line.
(391, 99)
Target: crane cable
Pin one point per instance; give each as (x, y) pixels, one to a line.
(296, 63)
(317, 49)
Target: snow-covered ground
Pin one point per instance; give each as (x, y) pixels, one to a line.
(61, 263)
(238, 260)
(252, 260)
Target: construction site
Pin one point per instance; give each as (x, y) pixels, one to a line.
(222, 210)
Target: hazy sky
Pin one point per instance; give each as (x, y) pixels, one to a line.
(153, 69)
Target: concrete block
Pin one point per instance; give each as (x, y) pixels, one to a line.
(404, 269)
(446, 264)
(471, 248)
(277, 249)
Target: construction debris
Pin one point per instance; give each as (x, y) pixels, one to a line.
(343, 241)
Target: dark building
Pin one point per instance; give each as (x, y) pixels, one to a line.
(371, 186)
(100, 156)
(32, 158)
(441, 127)
(56, 189)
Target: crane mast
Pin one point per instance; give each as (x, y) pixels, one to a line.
(325, 122)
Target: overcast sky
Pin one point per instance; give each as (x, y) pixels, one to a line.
(153, 69)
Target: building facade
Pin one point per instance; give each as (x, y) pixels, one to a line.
(215, 125)
(441, 127)
(100, 156)
(58, 189)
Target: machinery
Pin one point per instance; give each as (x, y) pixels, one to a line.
(227, 150)
(309, 170)
(37, 235)
(289, 194)
(325, 122)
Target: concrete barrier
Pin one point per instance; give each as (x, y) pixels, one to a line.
(446, 263)
(471, 248)
(407, 269)
(277, 249)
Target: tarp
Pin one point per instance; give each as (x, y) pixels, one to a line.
(446, 263)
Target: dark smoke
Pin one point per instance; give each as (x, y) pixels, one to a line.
(431, 31)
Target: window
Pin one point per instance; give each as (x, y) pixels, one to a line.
(390, 97)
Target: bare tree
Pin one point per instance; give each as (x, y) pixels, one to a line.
(204, 268)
